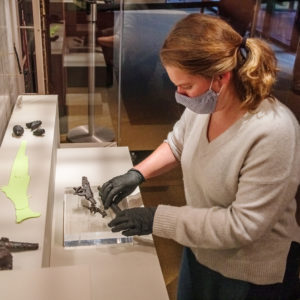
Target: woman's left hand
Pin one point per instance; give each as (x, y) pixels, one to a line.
(134, 221)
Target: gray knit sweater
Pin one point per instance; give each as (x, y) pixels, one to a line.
(240, 193)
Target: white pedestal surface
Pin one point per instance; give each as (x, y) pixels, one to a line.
(41, 153)
(62, 283)
(121, 271)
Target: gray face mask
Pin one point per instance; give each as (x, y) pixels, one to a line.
(202, 104)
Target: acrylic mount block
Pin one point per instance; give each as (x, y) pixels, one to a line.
(82, 228)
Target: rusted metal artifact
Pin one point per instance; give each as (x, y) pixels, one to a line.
(34, 124)
(5, 259)
(7, 246)
(18, 130)
(86, 191)
(17, 246)
(39, 132)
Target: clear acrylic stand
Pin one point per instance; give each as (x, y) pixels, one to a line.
(81, 228)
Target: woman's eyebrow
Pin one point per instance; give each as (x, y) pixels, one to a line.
(184, 84)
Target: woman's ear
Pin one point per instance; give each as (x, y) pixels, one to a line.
(225, 77)
(221, 80)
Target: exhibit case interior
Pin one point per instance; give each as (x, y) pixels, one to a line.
(50, 219)
(108, 100)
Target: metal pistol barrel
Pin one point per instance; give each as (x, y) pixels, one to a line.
(17, 246)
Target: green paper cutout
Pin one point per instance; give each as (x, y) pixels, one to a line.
(16, 190)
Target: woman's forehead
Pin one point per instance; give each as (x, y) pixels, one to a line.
(181, 77)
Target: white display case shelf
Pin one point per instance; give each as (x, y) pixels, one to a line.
(41, 153)
(109, 270)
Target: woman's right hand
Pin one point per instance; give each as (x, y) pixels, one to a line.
(117, 188)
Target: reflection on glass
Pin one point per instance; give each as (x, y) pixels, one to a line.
(28, 60)
(87, 70)
(147, 109)
(278, 23)
(25, 12)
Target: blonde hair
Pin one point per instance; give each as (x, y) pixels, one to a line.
(208, 46)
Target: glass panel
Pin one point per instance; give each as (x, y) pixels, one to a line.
(28, 60)
(25, 12)
(81, 72)
(148, 108)
(278, 24)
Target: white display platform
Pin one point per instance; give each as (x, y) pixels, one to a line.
(63, 283)
(41, 152)
(110, 272)
(122, 271)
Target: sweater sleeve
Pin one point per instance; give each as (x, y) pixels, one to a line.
(267, 186)
(175, 138)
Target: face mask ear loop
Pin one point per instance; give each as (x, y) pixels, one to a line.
(211, 83)
(220, 90)
(211, 86)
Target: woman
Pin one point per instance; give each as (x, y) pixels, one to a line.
(239, 149)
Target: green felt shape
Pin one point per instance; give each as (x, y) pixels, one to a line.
(16, 190)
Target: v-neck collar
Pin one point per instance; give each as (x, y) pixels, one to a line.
(225, 136)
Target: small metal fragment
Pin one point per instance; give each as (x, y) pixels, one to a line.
(39, 131)
(18, 130)
(34, 124)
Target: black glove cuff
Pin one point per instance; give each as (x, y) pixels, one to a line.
(140, 174)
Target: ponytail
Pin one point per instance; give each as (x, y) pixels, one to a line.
(255, 73)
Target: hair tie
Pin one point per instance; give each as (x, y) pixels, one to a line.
(244, 41)
(243, 48)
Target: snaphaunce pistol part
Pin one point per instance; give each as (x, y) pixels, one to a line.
(86, 191)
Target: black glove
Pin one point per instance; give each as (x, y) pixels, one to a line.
(134, 221)
(119, 187)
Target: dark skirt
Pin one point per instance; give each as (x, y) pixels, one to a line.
(197, 282)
